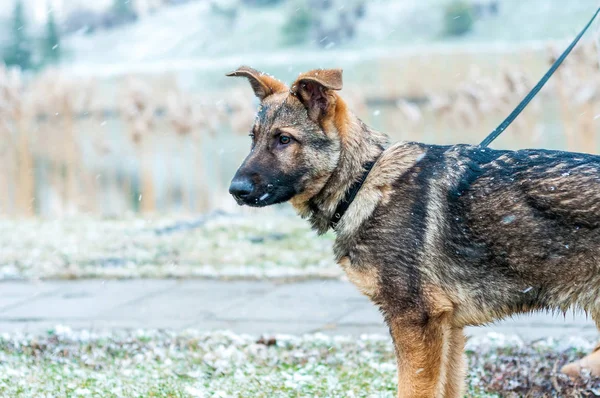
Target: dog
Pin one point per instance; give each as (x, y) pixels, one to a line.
(438, 237)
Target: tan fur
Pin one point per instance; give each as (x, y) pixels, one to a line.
(330, 117)
(342, 122)
(299, 202)
(436, 211)
(366, 279)
(330, 78)
(338, 121)
(464, 311)
(262, 84)
(456, 365)
(420, 351)
(596, 317)
(320, 83)
(438, 302)
(468, 312)
(450, 383)
(430, 355)
(440, 309)
(386, 191)
(394, 162)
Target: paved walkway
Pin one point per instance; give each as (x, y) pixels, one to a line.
(332, 307)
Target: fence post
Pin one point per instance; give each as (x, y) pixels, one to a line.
(26, 178)
(139, 112)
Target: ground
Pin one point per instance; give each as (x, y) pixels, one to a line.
(217, 245)
(62, 362)
(124, 334)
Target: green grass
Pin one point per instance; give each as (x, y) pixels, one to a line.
(221, 364)
(225, 246)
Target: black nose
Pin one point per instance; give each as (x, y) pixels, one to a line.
(241, 187)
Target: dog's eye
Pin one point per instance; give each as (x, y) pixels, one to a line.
(251, 135)
(284, 139)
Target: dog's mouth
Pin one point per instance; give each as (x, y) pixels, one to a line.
(264, 197)
(254, 200)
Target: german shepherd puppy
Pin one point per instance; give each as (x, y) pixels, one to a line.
(438, 237)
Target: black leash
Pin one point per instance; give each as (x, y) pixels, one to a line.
(350, 195)
(494, 134)
(343, 206)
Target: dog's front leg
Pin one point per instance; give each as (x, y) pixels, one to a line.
(424, 348)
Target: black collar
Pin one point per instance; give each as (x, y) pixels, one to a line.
(350, 195)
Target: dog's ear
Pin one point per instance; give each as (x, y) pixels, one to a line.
(262, 84)
(315, 90)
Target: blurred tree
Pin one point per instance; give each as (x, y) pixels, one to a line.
(261, 3)
(123, 7)
(326, 22)
(18, 52)
(122, 12)
(51, 42)
(458, 18)
(298, 27)
(226, 9)
(83, 21)
(360, 10)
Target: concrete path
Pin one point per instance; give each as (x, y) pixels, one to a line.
(332, 307)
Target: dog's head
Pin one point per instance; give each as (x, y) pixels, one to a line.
(295, 137)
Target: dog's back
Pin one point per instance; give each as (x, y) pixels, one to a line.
(500, 232)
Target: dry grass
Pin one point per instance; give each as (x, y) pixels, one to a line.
(71, 145)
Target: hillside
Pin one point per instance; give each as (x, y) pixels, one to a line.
(201, 30)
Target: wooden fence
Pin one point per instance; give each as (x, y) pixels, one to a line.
(75, 145)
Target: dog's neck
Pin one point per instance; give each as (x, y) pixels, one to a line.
(359, 145)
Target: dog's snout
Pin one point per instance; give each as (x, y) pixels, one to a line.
(241, 187)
